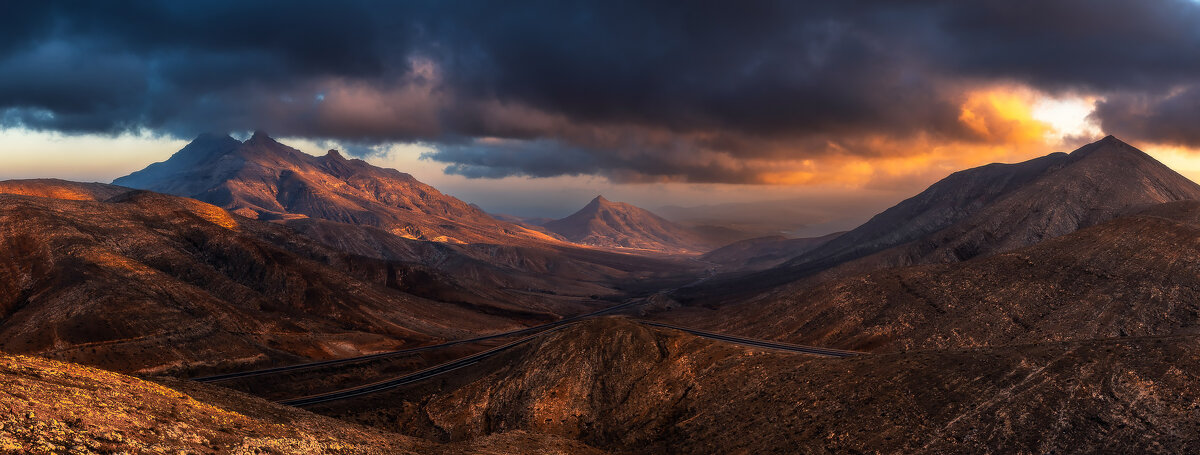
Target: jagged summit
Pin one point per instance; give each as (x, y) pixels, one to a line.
(263, 178)
(616, 224)
(212, 136)
(260, 135)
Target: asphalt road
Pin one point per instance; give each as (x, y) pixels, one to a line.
(413, 377)
(476, 358)
(534, 332)
(302, 366)
(759, 343)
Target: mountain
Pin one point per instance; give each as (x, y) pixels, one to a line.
(145, 282)
(619, 225)
(368, 211)
(764, 252)
(56, 407)
(1136, 275)
(261, 178)
(1000, 207)
(621, 386)
(979, 212)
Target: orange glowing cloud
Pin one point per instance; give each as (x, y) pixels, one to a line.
(1004, 115)
(1002, 124)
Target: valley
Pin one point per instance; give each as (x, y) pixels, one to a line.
(938, 324)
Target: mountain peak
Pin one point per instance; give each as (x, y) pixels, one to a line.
(1110, 145)
(259, 136)
(616, 224)
(264, 178)
(997, 208)
(208, 145)
(212, 137)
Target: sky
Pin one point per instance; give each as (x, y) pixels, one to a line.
(834, 109)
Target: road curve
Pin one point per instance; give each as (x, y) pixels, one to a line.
(302, 366)
(477, 357)
(828, 352)
(413, 377)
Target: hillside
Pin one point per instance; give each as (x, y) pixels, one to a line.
(356, 208)
(1137, 275)
(764, 252)
(977, 212)
(611, 224)
(148, 282)
(1001, 207)
(55, 407)
(618, 385)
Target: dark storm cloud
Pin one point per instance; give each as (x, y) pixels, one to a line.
(1170, 118)
(630, 90)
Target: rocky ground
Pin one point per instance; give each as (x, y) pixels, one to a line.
(1137, 275)
(621, 386)
(55, 407)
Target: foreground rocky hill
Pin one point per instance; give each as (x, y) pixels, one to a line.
(55, 407)
(616, 384)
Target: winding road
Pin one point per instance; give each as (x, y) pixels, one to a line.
(381, 355)
(478, 357)
(472, 359)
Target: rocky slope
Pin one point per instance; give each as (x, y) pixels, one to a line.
(1137, 275)
(361, 209)
(619, 225)
(763, 252)
(262, 178)
(618, 385)
(977, 212)
(148, 282)
(1001, 207)
(55, 407)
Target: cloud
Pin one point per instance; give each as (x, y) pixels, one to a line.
(766, 92)
(1169, 118)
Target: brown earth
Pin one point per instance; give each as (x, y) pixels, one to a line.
(54, 407)
(149, 282)
(974, 213)
(763, 252)
(354, 207)
(621, 386)
(1137, 275)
